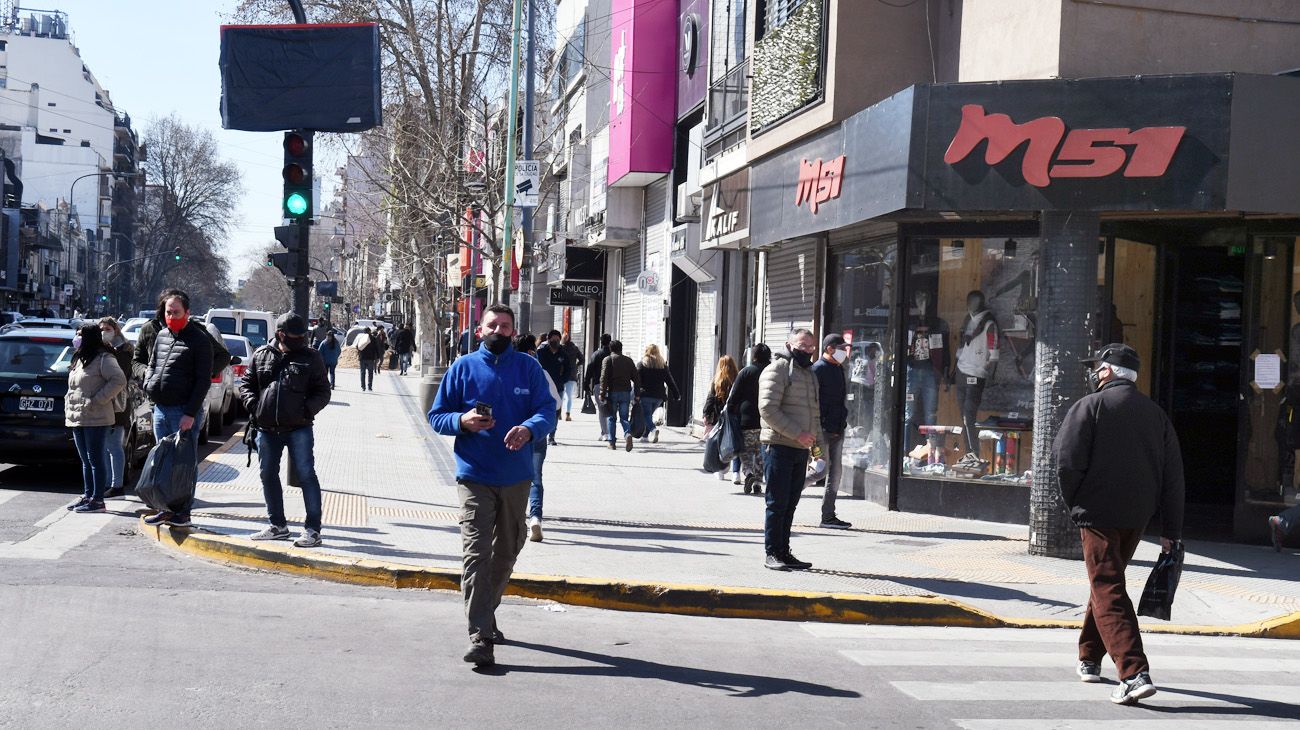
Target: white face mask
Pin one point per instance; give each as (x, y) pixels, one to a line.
(107, 337)
(840, 356)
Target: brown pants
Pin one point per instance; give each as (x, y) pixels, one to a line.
(1110, 625)
(492, 532)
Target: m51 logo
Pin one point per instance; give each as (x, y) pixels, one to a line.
(1084, 153)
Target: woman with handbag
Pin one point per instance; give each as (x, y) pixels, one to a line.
(657, 386)
(123, 350)
(723, 378)
(743, 401)
(94, 380)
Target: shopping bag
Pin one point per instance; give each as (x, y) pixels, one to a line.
(638, 420)
(1158, 596)
(661, 416)
(713, 462)
(168, 477)
(589, 405)
(732, 439)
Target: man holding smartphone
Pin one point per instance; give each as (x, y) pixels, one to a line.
(495, 401)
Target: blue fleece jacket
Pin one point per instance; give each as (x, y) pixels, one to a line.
(515, 386)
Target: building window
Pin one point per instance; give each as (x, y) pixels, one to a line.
(728, 69)
(775, 14)
(970, 322)
(66, 131)
(570, 63)
(788, 64)
(51, 103)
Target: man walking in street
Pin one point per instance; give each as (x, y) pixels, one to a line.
(404, 346)
(570, 386)
(592, 381)
(368, 353)
(496, 402)
(180, 372)
(619, 385)
(555, 361)
(832, 394)
(788, 405)
(1118, 463)
(283, 389)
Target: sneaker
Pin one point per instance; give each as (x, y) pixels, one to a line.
(612, 446)
(90, 506)
(1275, 532)
(1130, 691)
(158, 518)
(1089, 672)
(654, 438)
(629, 442)
(794, 563)
(179, 520)
(274, 532)
(496, 637)
(480, 652)
(836, 523)
(722, 476)
(568, 417)
(308, 539)
(114, 492)
(535, 529)
(74, 505)
(772, 562)
(736, 478)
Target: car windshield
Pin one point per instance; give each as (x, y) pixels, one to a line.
(255, 331)
(226, 325)
(236, 347)
(25, 357)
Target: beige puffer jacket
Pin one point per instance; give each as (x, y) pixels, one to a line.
(787, 402)
(91, 389)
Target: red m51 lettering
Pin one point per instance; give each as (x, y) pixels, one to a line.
(1085, 152)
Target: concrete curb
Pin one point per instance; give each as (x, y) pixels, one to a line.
(685, 599)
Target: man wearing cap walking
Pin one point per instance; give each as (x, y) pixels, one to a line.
(1119, 464)
(283, 389)
(832, 394)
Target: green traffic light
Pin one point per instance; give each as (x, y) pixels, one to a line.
(296, 204)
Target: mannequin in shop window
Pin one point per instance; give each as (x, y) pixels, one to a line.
(927, 366)
(977, 362)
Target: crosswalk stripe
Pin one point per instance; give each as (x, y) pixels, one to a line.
(65, 531)
(1037, 659)
(1067, 691)
(1048, 637)
(1143, 724)
(8, 494)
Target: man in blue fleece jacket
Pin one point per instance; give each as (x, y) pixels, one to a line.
(495, 401)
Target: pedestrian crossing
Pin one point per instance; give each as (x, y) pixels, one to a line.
(1018, 679)
(54, 534)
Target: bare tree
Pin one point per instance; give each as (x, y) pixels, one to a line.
(264, 288)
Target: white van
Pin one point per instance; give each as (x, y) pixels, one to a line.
(257, 326)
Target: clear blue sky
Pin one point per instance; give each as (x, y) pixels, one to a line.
(157, 57)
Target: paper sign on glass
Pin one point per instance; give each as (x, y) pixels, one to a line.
(1268, 371)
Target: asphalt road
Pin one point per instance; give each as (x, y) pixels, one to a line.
(115, 631)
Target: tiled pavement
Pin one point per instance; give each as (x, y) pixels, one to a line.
(651, 515)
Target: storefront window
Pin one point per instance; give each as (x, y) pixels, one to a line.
(969, 366)
(861, 310)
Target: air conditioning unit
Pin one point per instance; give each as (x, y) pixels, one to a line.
(688, 203)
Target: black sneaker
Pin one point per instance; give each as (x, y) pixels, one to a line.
(74, 505)
(1089, 672)
(1275, 532)
(1129, 691)
(179, 520)
(794, 563)
(90, 507)
(836, 523)
(772, 562)
(629, 442)
(496, 637)
(158, 518)
(480, 652)
(114, 493)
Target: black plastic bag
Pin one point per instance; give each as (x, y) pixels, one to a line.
(588, 405)
(638, 421)
(1158, 596)
(713, 462)
(170, 472)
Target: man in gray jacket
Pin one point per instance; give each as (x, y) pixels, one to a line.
(1119, 464)
(788, 405)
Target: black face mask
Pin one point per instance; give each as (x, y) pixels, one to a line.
(801, 358)
(293, 344)
(1094, 380)
(496, 343)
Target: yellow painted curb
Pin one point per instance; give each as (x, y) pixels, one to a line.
(685, 599)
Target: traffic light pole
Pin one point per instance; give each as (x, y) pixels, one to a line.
(301, 284)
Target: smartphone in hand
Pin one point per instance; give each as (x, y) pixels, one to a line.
(483, 409)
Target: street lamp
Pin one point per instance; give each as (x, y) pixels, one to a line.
(71, 204)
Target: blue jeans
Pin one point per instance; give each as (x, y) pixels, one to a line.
(570, 393)
(536, 491)
(1289, 518)
(301, 443)
(330, 367)
(648, 407)
(785, 469)
(116, 456)
(404, 360)
(619, 404)
(167, 421)
(922, 401)
(92, 447)
(368, 371)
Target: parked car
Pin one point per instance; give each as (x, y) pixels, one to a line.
(41, 323)
(256, 325)
(222, 396)
(33, 382)
(10, 317)
(131, 328)
(242, 348)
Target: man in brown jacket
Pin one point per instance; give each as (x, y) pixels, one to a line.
(619, 384)
(788, 405)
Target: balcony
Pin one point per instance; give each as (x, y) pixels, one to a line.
(789, 63)
(728, 102)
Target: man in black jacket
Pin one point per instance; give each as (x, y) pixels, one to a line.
(743, 401)
(180, 372)
(592, 381)
(284, 388)
(404, 345)
(832, 395)
(1119, 463)
(555, 361)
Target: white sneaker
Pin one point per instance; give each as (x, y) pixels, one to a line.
(722, 476)
(736, 478)
(655, 439)
(535, 529)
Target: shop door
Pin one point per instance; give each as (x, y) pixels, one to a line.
(681, 345)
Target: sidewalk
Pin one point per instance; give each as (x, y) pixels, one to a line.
(650, 516)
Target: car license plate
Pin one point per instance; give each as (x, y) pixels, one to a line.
(36, 404)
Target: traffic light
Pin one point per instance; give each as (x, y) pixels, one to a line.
(296, 201)
(326, 307)
(177, 253)
(103, 298)
(291, 263)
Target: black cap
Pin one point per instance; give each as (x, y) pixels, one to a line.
(291, 324)
(833, 340)
(1116, 353)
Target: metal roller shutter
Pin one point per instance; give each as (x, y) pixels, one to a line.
(792, 282)
(706, 346)
(657, 232)
(629, 309)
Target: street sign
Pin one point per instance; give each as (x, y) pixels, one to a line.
(67, 290)
(561, 298)
(527, 179)
(327, 288)
(583, 289)
(356, 309)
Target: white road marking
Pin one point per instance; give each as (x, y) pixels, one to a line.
(8, 494)
(64, 530)
(1045, 659)
(1144, 724)
(1068, 691)
(905, 635)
